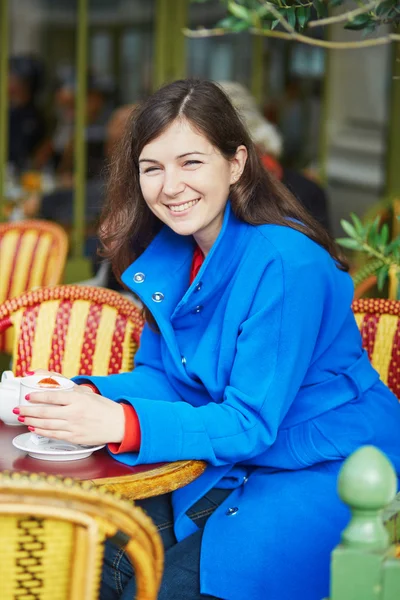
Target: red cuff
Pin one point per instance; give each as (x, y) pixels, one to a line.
(132, 436)
(91, 386)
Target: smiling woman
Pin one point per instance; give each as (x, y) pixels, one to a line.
(251, 359)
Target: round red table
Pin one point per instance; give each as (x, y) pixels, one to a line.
(102, 470)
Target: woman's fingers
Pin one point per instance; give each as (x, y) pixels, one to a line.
(54, 434)
(48, 425)
(57, 398)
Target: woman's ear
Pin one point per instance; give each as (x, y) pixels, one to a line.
(238, 163)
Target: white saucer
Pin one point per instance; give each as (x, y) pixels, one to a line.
(55, 450)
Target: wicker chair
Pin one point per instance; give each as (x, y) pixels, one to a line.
(379, 323)
(32, 254)
(52, 534)
(72, 329)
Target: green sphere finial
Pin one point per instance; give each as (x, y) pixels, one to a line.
(367, 483)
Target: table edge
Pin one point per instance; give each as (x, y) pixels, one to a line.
(154, 482)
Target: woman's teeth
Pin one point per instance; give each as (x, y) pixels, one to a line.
(182, 207)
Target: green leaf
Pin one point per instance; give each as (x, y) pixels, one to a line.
(227, 22)
(384, 7)
(373, 233)
(358, 226)
(384, 235)
(264, 12)
(274, 24)
(239, 11)
(334, 3)
(321, 7)
(291, 16)
(358, 22)
(349, 243)
(381, 276)
(393, 245)
(240, 26)
(369, 28)
(348, 228)
(303, 16)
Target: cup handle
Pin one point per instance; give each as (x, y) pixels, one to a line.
(7, 376)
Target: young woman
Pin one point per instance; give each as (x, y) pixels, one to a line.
(250, 360)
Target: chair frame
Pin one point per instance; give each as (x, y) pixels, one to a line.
(97, 295)
(80, 504)
(44, 227)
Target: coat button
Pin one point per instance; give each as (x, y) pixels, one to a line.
(157, 297)
(183, 360)
(198, 309)
(199, 286)
(139, 277)
(232, 511)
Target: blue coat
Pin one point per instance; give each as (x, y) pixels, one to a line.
(258, 370)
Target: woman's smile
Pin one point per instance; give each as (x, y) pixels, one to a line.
(183, 208)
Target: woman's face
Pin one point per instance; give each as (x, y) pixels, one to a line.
(185, 181)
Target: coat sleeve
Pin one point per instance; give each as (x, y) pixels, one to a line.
(147, 380)
(275, 346)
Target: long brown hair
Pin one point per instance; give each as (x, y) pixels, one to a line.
(128, 225)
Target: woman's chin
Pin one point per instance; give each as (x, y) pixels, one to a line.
(183, 228)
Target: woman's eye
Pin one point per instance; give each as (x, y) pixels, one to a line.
(189, 163)
(151, 169)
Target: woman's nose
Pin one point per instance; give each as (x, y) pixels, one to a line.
(173, 184)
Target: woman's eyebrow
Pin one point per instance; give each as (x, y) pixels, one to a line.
(152, 160)
(193, 152)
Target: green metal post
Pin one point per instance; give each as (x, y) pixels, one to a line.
(324, 118)
(80, 127)
(257, 69)
(4, 27)
(393, 146)
(161, 52)
(367, 483)
(170, 43)
(79, 267)
(177, 21)
(393, 158)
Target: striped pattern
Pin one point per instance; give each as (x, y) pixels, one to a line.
(73, 330)
(379, 324)
(32, 254)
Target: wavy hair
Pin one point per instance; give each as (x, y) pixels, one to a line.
(128, 226)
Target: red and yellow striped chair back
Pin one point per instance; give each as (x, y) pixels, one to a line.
(379, 322)
(72, 329)
(32, 254)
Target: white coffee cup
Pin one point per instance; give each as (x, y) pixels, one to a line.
(14, 389)
(8, 401)
(30, 385)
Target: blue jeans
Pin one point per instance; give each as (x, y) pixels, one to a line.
(181, 578)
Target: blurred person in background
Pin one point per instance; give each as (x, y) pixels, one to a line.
(59, 154)
(27, 128)
(58, 205)
(268, 141)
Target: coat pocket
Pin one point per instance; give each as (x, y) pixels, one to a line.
(333, 435)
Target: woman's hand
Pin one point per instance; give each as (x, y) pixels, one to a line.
(80, 416)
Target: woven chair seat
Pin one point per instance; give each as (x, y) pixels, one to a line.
(52, 534)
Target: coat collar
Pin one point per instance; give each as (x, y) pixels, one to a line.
(160, 276)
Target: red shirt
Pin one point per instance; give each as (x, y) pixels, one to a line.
(132, 436)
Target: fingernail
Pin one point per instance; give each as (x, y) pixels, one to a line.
(27, 397)
(16, 410)
(29, 372)
(21, 418)
(31, 428)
